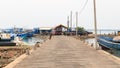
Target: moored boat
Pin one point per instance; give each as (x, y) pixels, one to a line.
(5, 40)
(108, 42)
(20, 32)
(22, 35)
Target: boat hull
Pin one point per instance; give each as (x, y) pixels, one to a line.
(7, 44)
(108, 43)
(23, 35)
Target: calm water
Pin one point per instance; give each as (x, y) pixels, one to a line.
(32, 40)
(90, 40)
(105, 31)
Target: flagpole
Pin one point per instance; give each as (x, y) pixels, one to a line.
(95, 25)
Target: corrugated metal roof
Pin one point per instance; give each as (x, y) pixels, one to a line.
(45, 28)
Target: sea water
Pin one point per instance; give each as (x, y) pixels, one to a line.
(32, 40)
(106, 31)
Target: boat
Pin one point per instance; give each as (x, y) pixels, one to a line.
(5, 40)
(30, 34)
(7, 44)
(108, 42)
(22, 35)
(20, 32)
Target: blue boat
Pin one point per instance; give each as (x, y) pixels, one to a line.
(22, 35)
(20, 32)
(108, 42)
(13, 35)
(30, 34)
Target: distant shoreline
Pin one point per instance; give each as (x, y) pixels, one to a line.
(104, 29)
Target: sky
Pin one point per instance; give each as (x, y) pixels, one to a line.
(50, 13)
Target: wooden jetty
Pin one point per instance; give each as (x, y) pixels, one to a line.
(66, 52)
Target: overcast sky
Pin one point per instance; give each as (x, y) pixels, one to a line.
(49, 13)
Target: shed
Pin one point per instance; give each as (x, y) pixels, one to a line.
(60, 29)
(45, 30)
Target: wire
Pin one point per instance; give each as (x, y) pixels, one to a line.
(84, 6)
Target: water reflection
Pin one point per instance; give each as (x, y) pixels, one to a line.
(32, 40)
(90, 40)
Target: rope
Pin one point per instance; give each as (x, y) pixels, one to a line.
(84, 6)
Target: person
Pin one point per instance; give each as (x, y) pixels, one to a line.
(50, 36)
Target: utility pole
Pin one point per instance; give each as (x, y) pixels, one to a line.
(71, 20)
(95, 24)
(76, 24)
(68, 23)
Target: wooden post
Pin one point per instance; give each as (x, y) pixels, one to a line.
(27, 51)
